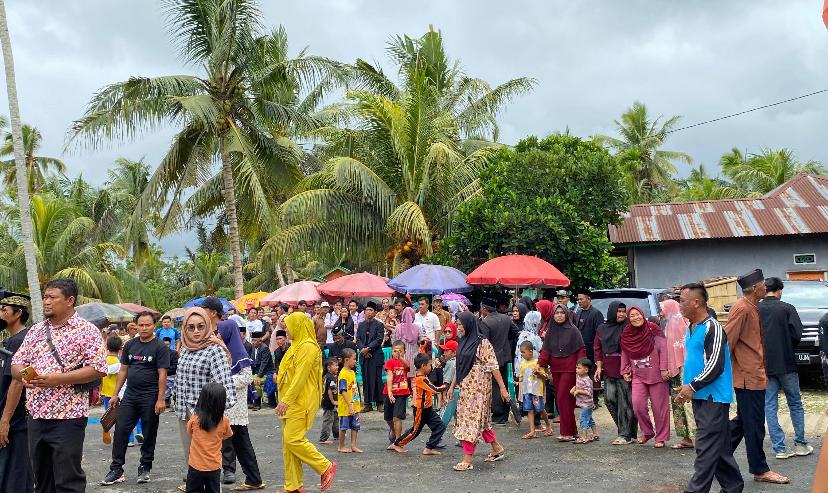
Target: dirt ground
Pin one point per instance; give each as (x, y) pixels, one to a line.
(530, 465)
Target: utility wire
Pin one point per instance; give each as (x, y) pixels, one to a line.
(747, 111)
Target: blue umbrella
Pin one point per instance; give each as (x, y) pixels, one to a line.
(198, 301)
(431, 279)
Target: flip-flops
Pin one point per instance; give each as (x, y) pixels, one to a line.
(495, 457)
(771, 477)
(463, 466)
(327, 478)
(680, 445)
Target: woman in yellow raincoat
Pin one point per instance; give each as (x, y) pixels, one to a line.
(300, 393)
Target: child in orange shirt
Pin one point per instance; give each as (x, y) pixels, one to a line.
(424, 413)
(209, 427)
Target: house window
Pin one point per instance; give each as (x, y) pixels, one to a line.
(804, 258)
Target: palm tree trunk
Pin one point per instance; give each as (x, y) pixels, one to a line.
(22, 174)
(279, 276)
(232, 222)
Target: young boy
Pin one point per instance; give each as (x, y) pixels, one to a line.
(330, 398)
(396, 391)
(170, 374)
(113, 366)
(349, 402)
(424, 413)
(583, 399)
(531, 380)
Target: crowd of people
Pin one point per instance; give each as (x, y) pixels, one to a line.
(449, 366)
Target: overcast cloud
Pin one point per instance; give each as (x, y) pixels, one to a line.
(591, 60)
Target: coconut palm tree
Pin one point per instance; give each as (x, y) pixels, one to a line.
(761, 173)
(404, 158)
(210, 272)
(29, 254)
(225, 115)
(38, 167)
(639, 147)
(701, 186)
(127, 183)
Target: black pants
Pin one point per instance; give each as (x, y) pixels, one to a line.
(130, 410)
(372, 381)
(714, 455)
(424, 416)
(749, 424)
(206, 481)
(239, 446)
(15, 469)
(500, 409)
(55, 449)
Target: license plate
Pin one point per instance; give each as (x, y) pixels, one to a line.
(803, 358)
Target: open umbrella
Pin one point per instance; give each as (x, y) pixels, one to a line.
(518, 271)
(103, 314)
(292, 293)
(198, 301)
(431, 279)
(248, 300)
(456, 297)
(360, 284)
(177, 314)
(136, 309)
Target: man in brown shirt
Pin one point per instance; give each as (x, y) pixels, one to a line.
(442, 314)
(747, 355)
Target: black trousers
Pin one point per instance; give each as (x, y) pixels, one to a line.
(56, 449)
(500, 409)
(749, 424)
(372, 381)
(15, 469)
(714, 455)
(239, 446)
(425, 416)
(130, 410)
(203, 481)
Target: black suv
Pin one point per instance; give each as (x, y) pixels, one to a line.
(810, 298)
(644, 298)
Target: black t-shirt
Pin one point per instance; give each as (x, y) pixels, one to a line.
(18, 418)
(329, 384)
(143, 360)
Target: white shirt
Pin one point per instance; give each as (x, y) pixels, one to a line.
(429, 323)
(330, 319)
(253, 326)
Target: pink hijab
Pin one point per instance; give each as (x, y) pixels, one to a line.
(407, 330)
(675, 328)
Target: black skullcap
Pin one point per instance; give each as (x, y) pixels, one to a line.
(747, 280)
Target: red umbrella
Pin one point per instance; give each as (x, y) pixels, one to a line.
(136, 309)
(518, 271)
(361, 284)
(292, 293)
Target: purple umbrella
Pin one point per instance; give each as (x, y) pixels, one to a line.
(456, 297)
(431, 279)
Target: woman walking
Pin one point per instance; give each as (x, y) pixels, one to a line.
(562, 347)
(675, 328)
(617, 390)
(300, 390)
(644, 363)
(476, 366)
(408, 332)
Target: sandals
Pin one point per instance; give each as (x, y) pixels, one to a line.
(463, 466)
(549, 432)
(250, 487)
(644, 439)
(327, 478)
(494, 457)
(565, 439)
(528, 436)
(621, 441)
(771, 477)
(581, 441)
(680, 445)
(659, 445)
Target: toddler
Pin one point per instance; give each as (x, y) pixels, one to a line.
(583, 399)
(531, 380)
(330, 398)
(208, 427)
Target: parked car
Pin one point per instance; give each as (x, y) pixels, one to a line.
(644, 298)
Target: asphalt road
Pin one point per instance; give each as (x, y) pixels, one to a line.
(531, 465)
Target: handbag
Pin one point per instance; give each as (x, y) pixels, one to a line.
(78, 387)
(109, 418)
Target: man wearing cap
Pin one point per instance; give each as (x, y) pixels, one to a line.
(369, 341)
(502, 334)
(744, 338)
(562, 296)
(15, 471)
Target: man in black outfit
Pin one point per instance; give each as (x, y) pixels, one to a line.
(262, 368)
(340, 342)
(502, 334)
(144, 364)
(369, 341)
(588, 320)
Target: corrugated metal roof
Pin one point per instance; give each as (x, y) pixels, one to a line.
(799, 206)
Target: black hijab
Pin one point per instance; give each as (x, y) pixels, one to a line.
(610, 331)
(564, 339)
(522, 311)
(530, 305)
(467, 349)
(347, 326)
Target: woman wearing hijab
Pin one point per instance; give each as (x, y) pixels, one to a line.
(346, 322)
(300, 390)
(562, 347)
(476, 366)
(644, 363)
(203, 359)
(675, 328)
(545, 308)
(408, 332)
(617, 390)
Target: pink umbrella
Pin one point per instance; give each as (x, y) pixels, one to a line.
(136, 309)
(292, 293)
(360, 284)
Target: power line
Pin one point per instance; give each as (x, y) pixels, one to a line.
(748, 111)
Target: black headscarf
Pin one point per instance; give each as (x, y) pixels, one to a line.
(522, 311)
(564, 339)
(467, 349)
(347, 326)
(610, 331)
(527, 301)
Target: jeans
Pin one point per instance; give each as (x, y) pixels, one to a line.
(788, 383)
(586, 422)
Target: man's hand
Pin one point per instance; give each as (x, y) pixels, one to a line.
(281, 409)
(113, 402)
(628, 376)
(160, 406)
(4, 433)
(685, 394)
(391, 398)
(364, 351)
(49, 380)
(597, 377)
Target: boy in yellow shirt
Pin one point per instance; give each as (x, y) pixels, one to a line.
(531, 379)
(349, 401)
(108, 383)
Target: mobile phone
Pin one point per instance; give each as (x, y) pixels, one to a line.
(28, 373)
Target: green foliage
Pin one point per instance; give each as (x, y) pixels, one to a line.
(760, 173)
(552, 198)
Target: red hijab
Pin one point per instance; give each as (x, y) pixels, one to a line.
(546, 309)
(638, 342)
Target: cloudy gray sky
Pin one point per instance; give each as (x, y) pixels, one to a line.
(700, 60)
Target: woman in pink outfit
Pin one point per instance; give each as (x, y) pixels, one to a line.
(675, 328)
(644, 361)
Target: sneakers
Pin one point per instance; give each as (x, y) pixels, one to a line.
(229, 478)
(803, 449)
(785, 454)
(139, 437)
(114, 476)
(143, 475)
